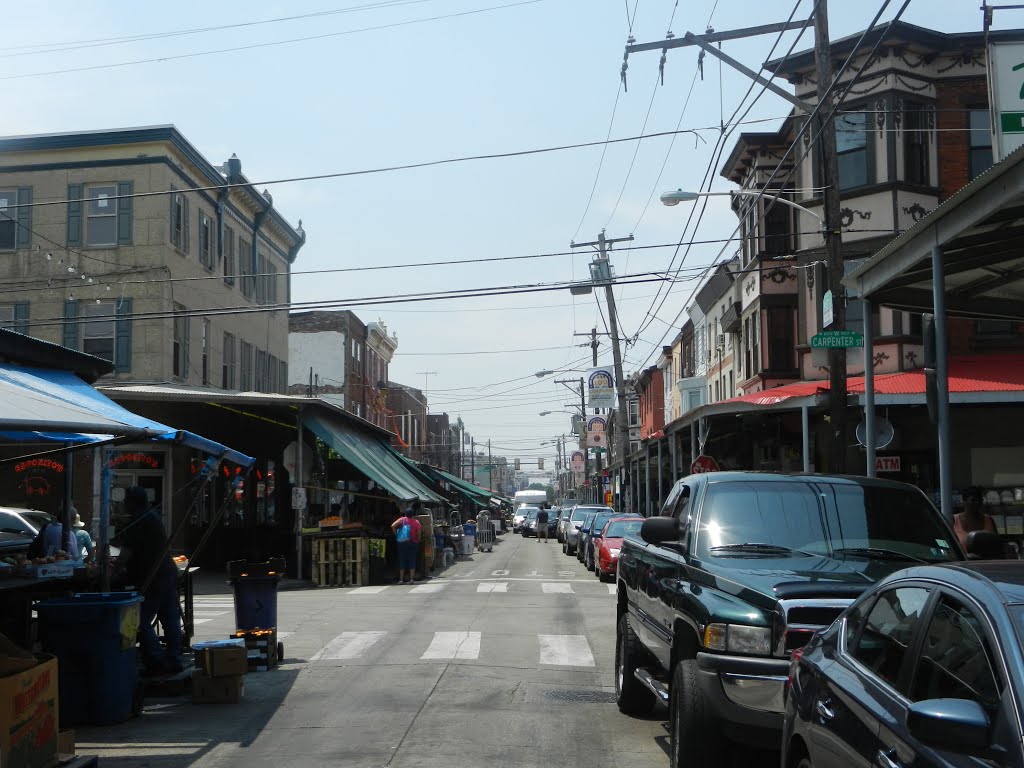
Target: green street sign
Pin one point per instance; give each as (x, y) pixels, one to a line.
(1011, 122)
(837, 340)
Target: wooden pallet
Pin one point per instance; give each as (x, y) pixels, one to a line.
(341, 562)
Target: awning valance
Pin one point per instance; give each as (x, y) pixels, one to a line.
(52, 392)
(373, 458)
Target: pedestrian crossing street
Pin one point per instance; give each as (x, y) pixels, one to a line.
(549, 650)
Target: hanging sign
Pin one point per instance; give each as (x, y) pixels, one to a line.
(577, 461)
(601, 386)
(1006, 87)
(703, 464)
(596, 437)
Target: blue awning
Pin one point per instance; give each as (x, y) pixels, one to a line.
(66, 392)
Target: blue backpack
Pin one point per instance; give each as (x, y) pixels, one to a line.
(404, 531)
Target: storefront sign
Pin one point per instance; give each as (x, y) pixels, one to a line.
(136, 460)
(1006, 87)
(703, 464)
(596, 437)
(601, 386)
(887, 464)
(22, 466)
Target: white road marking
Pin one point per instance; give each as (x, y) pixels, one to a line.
(453, 645)
(426, 589)
(368, 590)
(283, 635)
(347, 645)
(556, 587)
(565, 651)
(611, 589)
(497, 586)
(208, 614)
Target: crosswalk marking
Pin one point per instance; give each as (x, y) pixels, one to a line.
(209, 614)
(423, 589)
(347, 645)
(453, 645)
(368, 590)
(556, 587)
(565, 650)
(495, 586)
(611, 589)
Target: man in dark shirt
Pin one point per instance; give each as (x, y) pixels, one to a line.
(542, 524)
(150, 569)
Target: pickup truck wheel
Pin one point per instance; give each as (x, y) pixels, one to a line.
(696, 739)
(631, 696)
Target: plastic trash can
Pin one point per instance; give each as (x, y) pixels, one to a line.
(93, 637)
(255, 588)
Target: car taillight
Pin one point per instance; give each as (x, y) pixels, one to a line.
(794, 663)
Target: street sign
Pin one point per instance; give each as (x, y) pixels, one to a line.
(1006, 85)
(837, 340)
(703, 464)
(827, 315)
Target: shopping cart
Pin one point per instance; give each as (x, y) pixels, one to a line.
(484, 532)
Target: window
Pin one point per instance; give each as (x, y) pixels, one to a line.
(8, 219)
(205, 346)
(205, 240)
(980, 140)
(781, 348)
(181, 342)
(283, 376)
(852, 147)
(778, 228)
(98, 336)
(261, 371)
(7, 317)
(245, 268)
(955, 660)
(915, 144)
(634, 413)
(271, 373)
(229, 256)
(180, 228)
(101, 215)
(261, 278)
(228, 367)
(883, 640)
(755, 344)
(245, 363)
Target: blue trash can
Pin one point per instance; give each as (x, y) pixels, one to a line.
(255, 601)
(93, 636)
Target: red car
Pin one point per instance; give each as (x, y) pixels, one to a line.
(607, 546)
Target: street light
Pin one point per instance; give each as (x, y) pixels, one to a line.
(680, 196)
(542, 374)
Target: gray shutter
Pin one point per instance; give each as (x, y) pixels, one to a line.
(24, 236)
(185, 347)
(74, 215)
(124, 212)
(71, 323)
(186, 230)
(123, 341)
(170, 218)
(21, 317)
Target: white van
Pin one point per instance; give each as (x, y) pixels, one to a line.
(533, 498)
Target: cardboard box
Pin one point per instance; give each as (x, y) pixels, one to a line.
(28, 716)
(66, 742)
(217, 690)
(223, 661)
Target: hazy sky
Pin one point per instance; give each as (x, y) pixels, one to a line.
(519, 76)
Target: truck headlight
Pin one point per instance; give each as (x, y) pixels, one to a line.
(614, 552)
(737, 638)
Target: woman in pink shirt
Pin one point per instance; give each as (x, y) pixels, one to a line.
(407, 534)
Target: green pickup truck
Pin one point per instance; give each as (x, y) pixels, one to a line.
(739, 570)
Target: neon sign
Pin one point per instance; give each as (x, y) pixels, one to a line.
(56, 466)
(148, 460)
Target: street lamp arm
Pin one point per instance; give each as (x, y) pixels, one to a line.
(679, 196)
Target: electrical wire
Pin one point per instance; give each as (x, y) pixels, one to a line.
(600, 164)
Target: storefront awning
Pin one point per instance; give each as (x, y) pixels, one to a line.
(64, 390)
(474, 493)
(373, 458)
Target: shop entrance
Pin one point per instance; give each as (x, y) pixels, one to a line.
(143, 468)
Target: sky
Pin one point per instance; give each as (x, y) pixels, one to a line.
(370, 84)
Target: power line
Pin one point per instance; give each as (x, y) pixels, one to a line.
(600, 163)
(479, 352)
(270, 44)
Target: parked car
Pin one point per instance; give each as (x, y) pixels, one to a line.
(739, 571)
(519, 516)
(925, 668)
(571, 529)
(593, 535)
(24, 521)
(581, 543)
(606, 557)
(14, 544)
(563, 518)
(526, 528)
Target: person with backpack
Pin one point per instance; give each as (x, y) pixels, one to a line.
(407, 534)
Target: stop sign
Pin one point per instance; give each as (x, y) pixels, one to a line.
(703, 464)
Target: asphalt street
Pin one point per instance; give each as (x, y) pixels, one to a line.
(504, 660)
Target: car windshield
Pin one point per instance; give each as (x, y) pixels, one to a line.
(531, 513)
(581, 513)
(622, 528)
(763, 518)
(599, 523)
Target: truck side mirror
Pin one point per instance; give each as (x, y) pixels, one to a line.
(985, 545)
(658, 530)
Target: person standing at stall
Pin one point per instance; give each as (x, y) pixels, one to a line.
(973, 518)
(149, 567)
(407, 534)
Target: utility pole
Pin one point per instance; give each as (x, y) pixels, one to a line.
(490, 467)
(472, 460)
(833, 236)
(601, 273)
(583, 414)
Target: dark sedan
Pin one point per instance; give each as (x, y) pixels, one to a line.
(924, 669)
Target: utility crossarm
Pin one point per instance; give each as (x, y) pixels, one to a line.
(717, 37)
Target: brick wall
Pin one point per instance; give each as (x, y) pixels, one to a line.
(953, 100)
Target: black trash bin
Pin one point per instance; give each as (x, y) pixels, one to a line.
(255, 588)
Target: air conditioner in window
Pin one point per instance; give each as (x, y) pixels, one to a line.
(720, 341)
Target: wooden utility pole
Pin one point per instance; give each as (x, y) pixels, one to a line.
(833, 236)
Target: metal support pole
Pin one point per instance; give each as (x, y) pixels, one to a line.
(805, 426)
(103, 547)
(869, 389)
(942, 383)
(297, 481)
(647, 481)
(65, 518)
(661, 490)
(694, 426)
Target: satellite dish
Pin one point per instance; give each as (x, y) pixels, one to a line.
(884, 433)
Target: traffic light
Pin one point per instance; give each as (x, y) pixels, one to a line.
(540, 463)
(517, 465)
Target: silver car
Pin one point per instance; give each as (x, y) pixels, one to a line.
(26, 522)
(571, 534)
(519, 516)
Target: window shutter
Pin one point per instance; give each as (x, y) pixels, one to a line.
(124, 212)
(170, 218)
(123, 351)
(185, 347)
(186, 230)
(71, 323)
(24, 236)
(21, 317)
(74, 215)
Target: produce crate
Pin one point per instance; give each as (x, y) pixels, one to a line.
(341, 562)
(262, 647)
